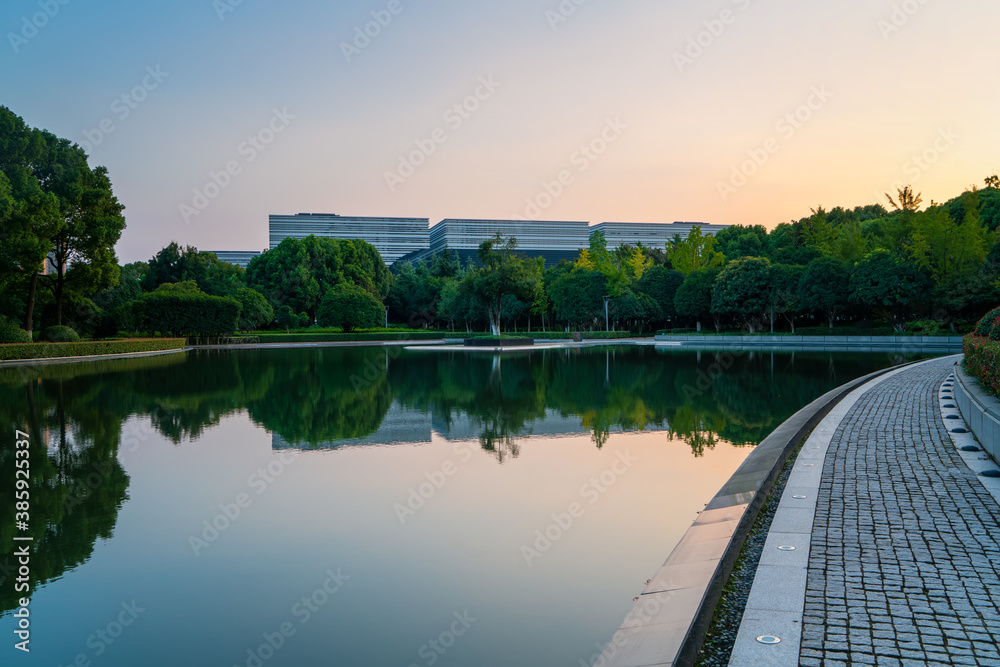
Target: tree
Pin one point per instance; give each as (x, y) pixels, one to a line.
(300, 272)
(578, 296)
(256, 311)
(695, 252)
(502, 273)
(784, 301)
(883, 282)
(738, 241)
(946, 249)
(824, 288)
(350, 307)
(661, 285)
(694, 297)
(743, 290)
(83, 255)
(908, 201)
(29, 213)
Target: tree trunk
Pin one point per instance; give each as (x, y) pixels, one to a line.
(29, 323)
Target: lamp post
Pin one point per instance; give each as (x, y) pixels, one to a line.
(607, 321)
(387, 317)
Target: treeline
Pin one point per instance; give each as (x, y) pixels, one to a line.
(903, 268)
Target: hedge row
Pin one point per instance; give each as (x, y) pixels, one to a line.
(55, 350)
(187, 314)
(982, 361)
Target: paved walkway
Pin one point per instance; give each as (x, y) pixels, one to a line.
(903, 562)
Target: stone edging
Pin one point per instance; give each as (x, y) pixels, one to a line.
(940, 342)
(668, 623)
(980, 410)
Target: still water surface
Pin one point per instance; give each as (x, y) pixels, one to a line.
(370, 506)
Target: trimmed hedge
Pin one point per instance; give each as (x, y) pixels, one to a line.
(187, 314)
(59, 334)
(91, 348)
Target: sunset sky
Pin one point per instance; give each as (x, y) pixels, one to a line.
(728, 111)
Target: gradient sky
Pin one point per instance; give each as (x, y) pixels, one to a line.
(894, 86)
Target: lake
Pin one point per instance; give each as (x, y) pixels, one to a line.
(370, 506)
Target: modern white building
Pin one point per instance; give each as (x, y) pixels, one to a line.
(554, 240)
(238, 257)
(392, 237)
(650, 234)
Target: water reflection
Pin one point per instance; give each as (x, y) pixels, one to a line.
(334, 397)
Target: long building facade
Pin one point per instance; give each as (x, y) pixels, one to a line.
(649, 234)
(392, 237)
(413, 239)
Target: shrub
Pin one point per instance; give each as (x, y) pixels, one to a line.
(982, 361)
(985, 324)
(350, 308)
(12, 333)
(90, 348)
(187, 313)
(59, 334)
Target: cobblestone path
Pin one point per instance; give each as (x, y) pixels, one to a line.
(905, 560)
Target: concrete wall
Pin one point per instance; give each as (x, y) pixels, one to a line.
(944, 342)
(980, 410)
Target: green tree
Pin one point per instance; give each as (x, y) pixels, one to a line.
(578, 296)
(824, 288)
(661, 285)
(502, 273)
(694, 297)
(256, 311)
(737, 241)
(743, 290)
(82, 252)
(30, 215)
(350, 307)
(784, 302)
(695, 252)
(946, 249)
(885, 283)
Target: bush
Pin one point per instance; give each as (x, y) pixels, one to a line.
(90, 348)
(982, 361)
(350, 307)
(59, 334)
(12, 333)
(985, 324)
(186, 313)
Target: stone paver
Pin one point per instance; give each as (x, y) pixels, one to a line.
(904, 567)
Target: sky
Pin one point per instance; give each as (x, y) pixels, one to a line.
(211, 115)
